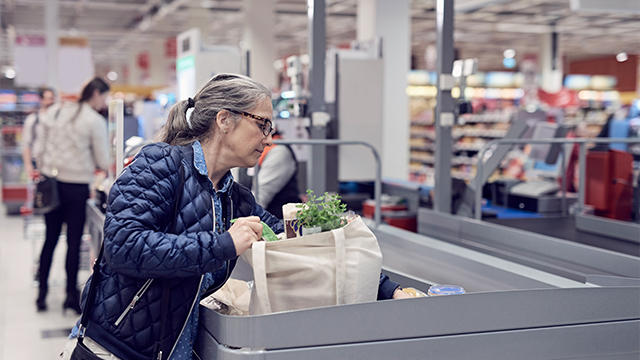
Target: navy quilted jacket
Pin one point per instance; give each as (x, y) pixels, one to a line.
(138, 247)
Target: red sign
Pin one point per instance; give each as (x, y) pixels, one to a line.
(143, 60)
(563, 98)
(171, 48)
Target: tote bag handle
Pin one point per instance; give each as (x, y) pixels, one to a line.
(260, 275)
(341, 264)
(259, 255)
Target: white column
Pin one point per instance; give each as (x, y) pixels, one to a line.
(551, 63)
(366, 20)
(392, 22)
(51, 26)
(259, 37)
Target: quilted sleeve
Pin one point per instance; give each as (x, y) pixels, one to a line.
(140, 209)
(274, 223)
(249, 207)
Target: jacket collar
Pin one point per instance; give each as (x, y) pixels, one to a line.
(201, 165)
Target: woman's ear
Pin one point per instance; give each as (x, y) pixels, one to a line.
(223, 119)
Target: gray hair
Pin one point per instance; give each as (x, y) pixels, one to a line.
(222, 92)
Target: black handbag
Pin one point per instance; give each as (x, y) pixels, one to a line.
(81, 351)
(46, 197)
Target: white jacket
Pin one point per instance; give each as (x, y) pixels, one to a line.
(76, 148)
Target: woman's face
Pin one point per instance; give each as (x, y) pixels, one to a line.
(247, 140)
(99, 100)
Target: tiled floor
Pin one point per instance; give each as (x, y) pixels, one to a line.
(26, 334)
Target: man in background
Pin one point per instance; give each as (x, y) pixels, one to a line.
(30, 130)
(276, 182)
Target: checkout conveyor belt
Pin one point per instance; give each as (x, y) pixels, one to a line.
(510, 311)
(569, 259)
(565, 228)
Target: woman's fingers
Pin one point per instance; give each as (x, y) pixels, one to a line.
(244, 232)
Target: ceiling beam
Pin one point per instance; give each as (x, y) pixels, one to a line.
(468, 6)
(83, 4)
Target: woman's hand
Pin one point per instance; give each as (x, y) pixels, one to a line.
(244, 232)
(399, 294)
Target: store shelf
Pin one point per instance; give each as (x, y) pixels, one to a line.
(11, 151)
(14, 180)
(489, 117)
(494, 109)
(491, 120)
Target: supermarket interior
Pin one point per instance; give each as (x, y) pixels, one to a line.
(491, 146)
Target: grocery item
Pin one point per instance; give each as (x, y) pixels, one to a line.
(439, 290)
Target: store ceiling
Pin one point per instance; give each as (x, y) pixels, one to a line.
(483, 28)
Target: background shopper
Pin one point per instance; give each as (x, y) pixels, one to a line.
(30, 130)
(74, 145)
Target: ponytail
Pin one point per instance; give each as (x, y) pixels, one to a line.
(176, 131)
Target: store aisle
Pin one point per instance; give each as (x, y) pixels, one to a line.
(26, 334)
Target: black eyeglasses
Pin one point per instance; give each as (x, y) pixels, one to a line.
(266, 126)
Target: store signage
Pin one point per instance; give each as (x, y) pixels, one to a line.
(74, 41)
(8, 99)
(561, 99)
(143, 60)
(497, 79)
(590, 82)
(186, 63)
(28, 99)
(447, 119)
(171, 48)
(31, 40)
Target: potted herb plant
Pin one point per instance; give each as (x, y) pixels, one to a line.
(321, 213)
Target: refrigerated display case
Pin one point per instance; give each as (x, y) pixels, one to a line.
(15, 106)
(14, 181)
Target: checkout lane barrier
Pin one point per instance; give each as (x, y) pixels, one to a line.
(378, 180)
(582, 159)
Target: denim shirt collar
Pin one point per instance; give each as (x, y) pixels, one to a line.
(200, 164)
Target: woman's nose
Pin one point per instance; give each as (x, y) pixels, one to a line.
(268, 140)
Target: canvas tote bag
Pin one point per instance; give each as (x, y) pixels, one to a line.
(341, 266)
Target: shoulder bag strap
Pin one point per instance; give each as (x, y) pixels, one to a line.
(91, 296)
(163, 319)
(165, 284)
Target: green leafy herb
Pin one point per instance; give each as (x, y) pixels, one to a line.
(323, 211)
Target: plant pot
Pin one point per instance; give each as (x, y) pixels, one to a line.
(311, 230)
(333, 224)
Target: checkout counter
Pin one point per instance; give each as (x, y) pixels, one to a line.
(510, 311)
(526, 298)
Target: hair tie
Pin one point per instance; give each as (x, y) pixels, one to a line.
(190, 106)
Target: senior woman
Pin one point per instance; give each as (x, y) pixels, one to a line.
(167, 225)
(167, 228)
